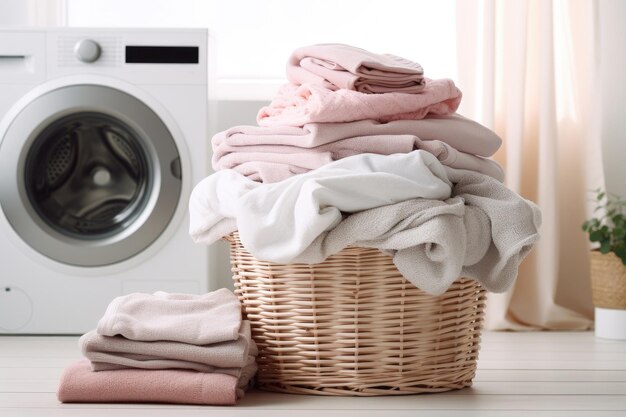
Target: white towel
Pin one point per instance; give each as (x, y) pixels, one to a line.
(483, 232)
(280, 220)
(196, 319)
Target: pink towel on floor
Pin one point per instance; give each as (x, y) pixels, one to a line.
(272, 163)
(336, 66)
(308, 103)
(196, 319)
(461, 133)
(80, 384)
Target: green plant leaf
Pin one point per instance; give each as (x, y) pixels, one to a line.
(608, 227)
(605, 247)
(595, 236)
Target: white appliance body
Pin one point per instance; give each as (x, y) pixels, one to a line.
(103, 133)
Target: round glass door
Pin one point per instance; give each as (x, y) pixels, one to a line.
(91, 177)
(87, 175)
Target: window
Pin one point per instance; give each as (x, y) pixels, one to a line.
(254, 38)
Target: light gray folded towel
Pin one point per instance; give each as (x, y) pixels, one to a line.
(117, 352)
(482, 232)
(187, 318)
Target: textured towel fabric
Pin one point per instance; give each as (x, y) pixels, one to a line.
(80, 384)
(243, 374)
(268, 172)
(273, 163)
(308, 103)
(278, 221)
(336, 66)
(461, 133)
(483, 232)
(196, 319)
(115, 352)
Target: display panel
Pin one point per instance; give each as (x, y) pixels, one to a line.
(162, 54)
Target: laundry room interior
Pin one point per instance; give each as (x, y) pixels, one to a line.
(271, 207)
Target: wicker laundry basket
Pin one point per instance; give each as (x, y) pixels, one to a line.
(352, 325)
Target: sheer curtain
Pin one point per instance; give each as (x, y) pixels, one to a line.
(528, 70)
(32, 13)
(46, 12)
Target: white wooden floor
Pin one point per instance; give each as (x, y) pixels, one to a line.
(535, 374)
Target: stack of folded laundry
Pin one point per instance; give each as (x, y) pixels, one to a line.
(326, 113)
(361, 149)
(167, 348)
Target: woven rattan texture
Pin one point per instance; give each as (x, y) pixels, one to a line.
(608, 281)
(352, 325)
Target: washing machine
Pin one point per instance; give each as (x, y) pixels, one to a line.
(103, 133)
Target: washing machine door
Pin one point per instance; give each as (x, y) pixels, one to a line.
(90, 175)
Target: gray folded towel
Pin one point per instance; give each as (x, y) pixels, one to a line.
(117, 352)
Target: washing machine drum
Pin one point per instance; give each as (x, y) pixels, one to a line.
(96, 181)
(87, 176)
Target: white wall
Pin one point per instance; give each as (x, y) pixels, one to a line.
(612, 15)
(14, 12)
(255, 37)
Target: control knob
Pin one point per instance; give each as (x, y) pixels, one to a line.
(87, 50)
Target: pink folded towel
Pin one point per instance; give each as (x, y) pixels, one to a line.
(336, 66)
(309, 103)
(80, 384)
(196, 319)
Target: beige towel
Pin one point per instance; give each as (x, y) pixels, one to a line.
(116, 352)
(461, 133)
(273, 163)
(196, 319)
(243, 374)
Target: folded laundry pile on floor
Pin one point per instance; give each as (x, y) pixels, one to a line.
(171, 348)
(361, 149)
